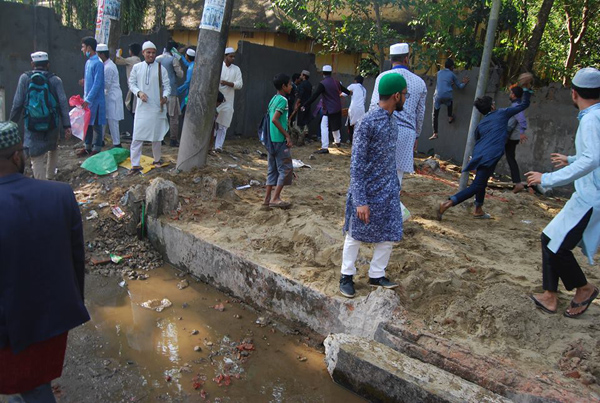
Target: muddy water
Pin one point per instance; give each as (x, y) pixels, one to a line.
(270, 367)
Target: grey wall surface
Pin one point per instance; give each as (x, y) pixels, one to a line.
(25, 29)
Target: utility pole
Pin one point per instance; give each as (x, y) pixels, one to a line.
(482, 82)
(202, 98)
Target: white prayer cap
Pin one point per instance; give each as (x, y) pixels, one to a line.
(587, 77)
(229, 50)
(327, 68)
(191, 52)
(399, 49)
(306, 73)
(101, 47)
(39, 57)
(148, 45)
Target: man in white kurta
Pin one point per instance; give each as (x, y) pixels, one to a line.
(578, 223)
(149, 82)
(113, 96)
(231, 80)
(356, 111)
(410, 120)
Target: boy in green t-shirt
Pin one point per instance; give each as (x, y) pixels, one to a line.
(280, 171)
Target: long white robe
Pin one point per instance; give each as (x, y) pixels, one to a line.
(150, 123)
(113, 96)
(232, 74)
(356, 111)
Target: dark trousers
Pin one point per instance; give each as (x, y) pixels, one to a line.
(476, 188)
(562, 264)
(350, 132)
(510, 148)
(436, 113)
(94, 138)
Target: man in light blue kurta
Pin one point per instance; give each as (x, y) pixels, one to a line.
(578, 223)
(93, 97)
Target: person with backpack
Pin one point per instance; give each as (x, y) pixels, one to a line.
(280, 172)
(93, 98)
(41, 98)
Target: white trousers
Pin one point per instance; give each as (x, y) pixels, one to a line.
(381, 257)
(400, 174)
(43, 166)
(136, 151)
(220, 132)
(325, 133)
(113, 128)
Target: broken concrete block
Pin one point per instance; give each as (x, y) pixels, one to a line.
(162, 198)
(132, 202)
(382, 374)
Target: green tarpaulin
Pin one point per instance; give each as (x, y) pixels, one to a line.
(106, 162)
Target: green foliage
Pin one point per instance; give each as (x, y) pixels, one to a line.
(341, 26)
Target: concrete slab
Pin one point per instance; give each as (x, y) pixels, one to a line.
(382, 374)
(265, 289)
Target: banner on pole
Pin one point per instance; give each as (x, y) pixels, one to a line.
(212, 15)
(107, 10)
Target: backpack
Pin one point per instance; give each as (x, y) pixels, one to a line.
(41, 106)
(264, 132)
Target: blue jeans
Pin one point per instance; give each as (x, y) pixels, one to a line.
(476, 188)
(94, 138)
(41, 394)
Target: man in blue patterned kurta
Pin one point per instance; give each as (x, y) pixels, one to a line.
(373, 211)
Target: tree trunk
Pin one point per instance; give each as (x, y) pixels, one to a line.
(202, 99)
(536, 36)
(381, 50)
(575, 41)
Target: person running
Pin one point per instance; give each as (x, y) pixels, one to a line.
(373, 212)
(443, 93)
(578, 223)
(490, 136)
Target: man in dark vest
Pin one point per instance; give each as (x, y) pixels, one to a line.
(41, 274)
(330, 89)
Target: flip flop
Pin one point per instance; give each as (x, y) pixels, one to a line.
(134, 171)
(539, 305)
(484, 216)
(585, 303)
(433, 137)
(282, 205)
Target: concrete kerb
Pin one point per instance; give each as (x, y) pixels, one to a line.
(262, 288)
(381, 374)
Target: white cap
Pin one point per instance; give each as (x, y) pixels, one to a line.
(148, 45)
(190, 52)
(587, 77)
(306, 73)
(229, 50)
(327, 68)
(399, 49)
(101, 47)
(39, 57)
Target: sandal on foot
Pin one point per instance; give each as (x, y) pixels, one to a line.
(484, 216)
(433, 137)
(265, 207)
(585, 303)
(158, 163)
(134, 171)
(282, 204)
(540, 306)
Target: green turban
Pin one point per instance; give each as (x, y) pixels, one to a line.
(391, 83)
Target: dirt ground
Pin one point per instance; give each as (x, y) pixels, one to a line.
(464, 279)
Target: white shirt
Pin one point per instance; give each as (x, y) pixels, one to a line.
(232, 74)
(410, 120)
(113, 96)
(584, 169)
(356, 111)
(150, 122)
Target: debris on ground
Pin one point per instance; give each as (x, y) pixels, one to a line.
(183, 284)
(157, 305)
